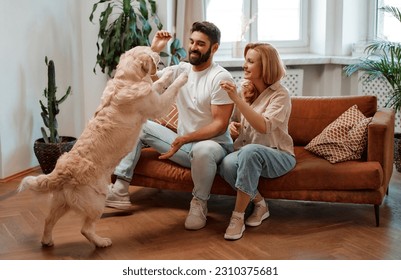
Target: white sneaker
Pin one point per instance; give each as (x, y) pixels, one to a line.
(196, 218)
(115, 200)
(236, 227)
(259, 214)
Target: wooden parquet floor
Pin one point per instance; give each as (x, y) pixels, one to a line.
(154, 230)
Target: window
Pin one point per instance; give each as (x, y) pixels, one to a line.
(282, 23)
(387, 26)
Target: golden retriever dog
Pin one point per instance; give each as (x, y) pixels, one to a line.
(80, 178)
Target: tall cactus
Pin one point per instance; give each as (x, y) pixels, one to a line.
(50, 111)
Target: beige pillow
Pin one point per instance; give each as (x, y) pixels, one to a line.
(344, 139)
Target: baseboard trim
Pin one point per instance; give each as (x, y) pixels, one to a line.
(19, 174)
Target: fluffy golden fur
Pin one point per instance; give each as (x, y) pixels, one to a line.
(80, 178)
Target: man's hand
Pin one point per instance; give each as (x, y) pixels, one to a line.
(160, 40)
(175, 146)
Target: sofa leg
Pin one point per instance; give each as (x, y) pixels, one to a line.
(377, 214)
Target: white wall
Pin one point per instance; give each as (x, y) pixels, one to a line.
(31, 30)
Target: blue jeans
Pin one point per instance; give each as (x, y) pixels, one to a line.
(202, 157)
(242, 168)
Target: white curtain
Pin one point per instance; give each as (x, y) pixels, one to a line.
(186, 13)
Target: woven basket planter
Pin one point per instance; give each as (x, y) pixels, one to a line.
(48, 153)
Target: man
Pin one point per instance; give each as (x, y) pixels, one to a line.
(202, 139)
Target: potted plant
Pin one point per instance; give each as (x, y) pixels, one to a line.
(49, 148)
(384, 60)
(125, 24)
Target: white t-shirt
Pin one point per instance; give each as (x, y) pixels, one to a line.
(196, 97)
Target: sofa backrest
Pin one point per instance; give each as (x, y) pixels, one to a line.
(310, 115)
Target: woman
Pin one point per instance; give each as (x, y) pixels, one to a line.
(263, 146)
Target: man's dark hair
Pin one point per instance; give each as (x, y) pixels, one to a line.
(208, 28)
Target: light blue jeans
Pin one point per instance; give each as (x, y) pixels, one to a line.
(242, 168)
(202, 157)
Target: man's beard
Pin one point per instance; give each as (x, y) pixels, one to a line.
(201, 58)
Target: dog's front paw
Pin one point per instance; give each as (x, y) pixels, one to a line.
(181, 79)
(167, 74)
(167, 77)
(103, 242)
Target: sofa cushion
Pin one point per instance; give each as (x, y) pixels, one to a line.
(310, 173)
(344, 139)
(313, 172)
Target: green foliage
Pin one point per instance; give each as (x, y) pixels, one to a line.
(383, 60)
(130, 28)
(50, 111)
(124, 24)
(177, 52)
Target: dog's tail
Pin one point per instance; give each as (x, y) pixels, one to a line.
(39, 183)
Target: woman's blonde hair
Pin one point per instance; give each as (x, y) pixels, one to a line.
(273, 69)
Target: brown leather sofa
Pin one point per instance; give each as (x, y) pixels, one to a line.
(363, 181)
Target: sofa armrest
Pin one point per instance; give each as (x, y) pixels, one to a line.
(381, 141)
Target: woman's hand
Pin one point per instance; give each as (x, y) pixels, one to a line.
(231, 90)
(234, 128)
(160, 40)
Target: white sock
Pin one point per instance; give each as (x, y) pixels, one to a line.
(120, 187)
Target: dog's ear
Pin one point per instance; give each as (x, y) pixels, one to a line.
(148, 64)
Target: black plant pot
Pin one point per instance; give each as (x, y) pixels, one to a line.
(48, 153)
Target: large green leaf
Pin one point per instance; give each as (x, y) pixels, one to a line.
(181, 53)
(126, 6)
(95, 7)
(143, 9)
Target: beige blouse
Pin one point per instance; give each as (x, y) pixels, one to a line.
(275, 105)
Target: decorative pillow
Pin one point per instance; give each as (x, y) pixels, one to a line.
(170, 120)
(344, 139)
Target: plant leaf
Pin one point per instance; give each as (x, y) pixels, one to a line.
(175, 60)
(143, 9)
(94, 8)
(182, 53)
(44, 135)
(45, 118)
(62, 99)
(394, 11)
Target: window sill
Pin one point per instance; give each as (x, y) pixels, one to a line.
(294, 59)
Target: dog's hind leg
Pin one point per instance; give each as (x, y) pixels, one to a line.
(93, 212)
(57, 209)
(89, 231)
(88, 201)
